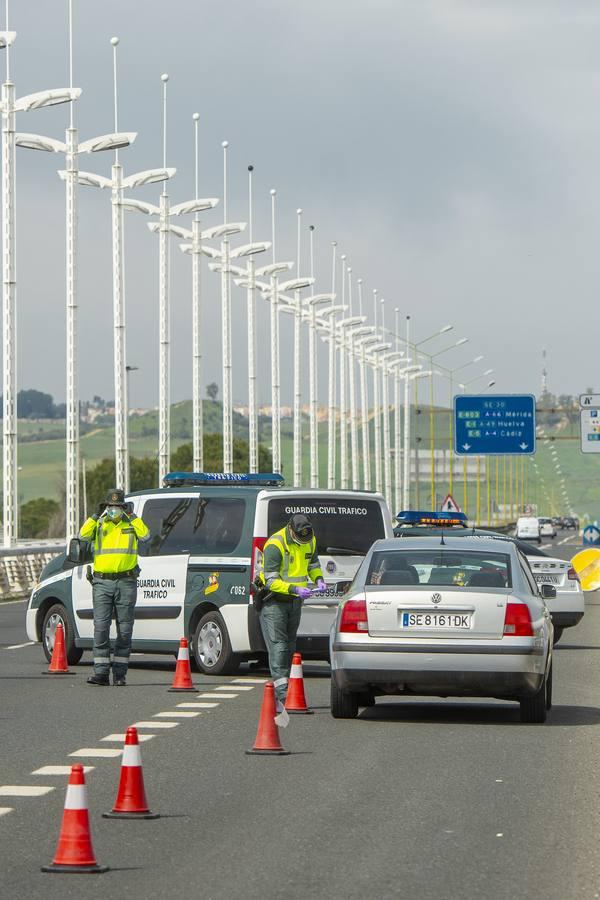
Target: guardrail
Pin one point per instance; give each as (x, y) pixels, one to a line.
(21, 566)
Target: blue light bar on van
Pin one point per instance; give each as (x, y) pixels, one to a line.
(421, 517)
(189, 479)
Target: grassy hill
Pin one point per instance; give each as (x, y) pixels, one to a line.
(41, 454)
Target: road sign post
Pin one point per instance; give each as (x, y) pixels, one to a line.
(494, 424)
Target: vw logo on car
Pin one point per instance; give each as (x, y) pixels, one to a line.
(436, 598)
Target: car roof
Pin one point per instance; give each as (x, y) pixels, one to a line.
(238, 488)
(484, 544)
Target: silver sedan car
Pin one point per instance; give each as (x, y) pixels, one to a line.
(448, 618)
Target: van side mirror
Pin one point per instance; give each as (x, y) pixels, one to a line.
(548, 591)
(79, 552)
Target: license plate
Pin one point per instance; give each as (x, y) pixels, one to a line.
(435, 620)
(330, 593)
(547, 579)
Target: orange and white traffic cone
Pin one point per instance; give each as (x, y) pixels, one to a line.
(182, 680)
(74, 852)
(295, 701)
(267, 741)
(131, 800)
(58, 663)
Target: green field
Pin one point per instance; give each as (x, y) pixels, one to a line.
(41, 462)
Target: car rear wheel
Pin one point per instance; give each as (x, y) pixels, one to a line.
(533, 709)
(343, 704)
(54, 615)
(558, 633)
(212, 647)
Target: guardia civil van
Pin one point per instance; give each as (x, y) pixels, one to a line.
(207, 533)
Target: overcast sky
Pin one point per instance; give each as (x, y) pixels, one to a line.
(452, 149)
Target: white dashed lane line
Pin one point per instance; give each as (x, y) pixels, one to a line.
(237, 681)
(236, 687)
(212, 696)
(155, 725)
(201, 705)
(4, 810)
(192, 705)
(121, 737)
(59, 770)
(179, 714)
(24, 790)
(97, 752)
(20, 646)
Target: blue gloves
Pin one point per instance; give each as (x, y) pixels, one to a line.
(321, 586)
(303, 592)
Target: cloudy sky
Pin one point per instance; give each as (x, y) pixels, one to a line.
(450, 147)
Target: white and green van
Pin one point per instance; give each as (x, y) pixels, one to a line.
(207, 533)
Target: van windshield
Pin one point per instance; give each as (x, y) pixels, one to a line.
(343, 525)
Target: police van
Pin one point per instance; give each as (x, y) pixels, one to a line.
(207, 533)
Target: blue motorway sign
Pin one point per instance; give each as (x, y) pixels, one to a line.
(591, 534)
(494, 424)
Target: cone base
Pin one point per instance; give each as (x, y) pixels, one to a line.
(300, 712)
(48, 672)
(254, 752)
(75, 870)
(130, 815)
(173, 690)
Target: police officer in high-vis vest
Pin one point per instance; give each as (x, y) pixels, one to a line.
(115, 537)
(290, 561)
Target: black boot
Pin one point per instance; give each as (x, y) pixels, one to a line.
(98, 679)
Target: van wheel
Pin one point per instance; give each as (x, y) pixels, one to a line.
(212, 647)
(533, 709)
(53, 616)
(558, 633)
(343, 705)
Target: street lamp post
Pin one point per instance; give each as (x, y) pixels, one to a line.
(313, 301)
(342, 325)
(9, 106)
(364, 404)
(353, 335)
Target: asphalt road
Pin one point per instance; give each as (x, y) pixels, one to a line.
(414, 799)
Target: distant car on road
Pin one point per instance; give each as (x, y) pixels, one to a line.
(547, 528)
(450, 618)
(528, 529)
(571, 522)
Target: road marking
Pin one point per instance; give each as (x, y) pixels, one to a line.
(19, 646)
(221, 696)
(196, 706)
(4, 810)
(249, 680)
(180, 714)
(97, 751)
(121, 737)
(238, 687)
(24, 790)
(155, 725)
(59, 770)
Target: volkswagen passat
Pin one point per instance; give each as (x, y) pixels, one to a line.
(447, 619)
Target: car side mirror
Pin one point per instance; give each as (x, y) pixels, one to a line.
(79, 552)
(548, 591)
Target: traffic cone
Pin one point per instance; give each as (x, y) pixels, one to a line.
(182, 680)
(295, 702)
(131, 800)
(267, 741)
(58, 663)
(74, 852)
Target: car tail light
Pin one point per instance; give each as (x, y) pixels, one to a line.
(517, 620)
(256, 558)
(354, 617)
(572, 575)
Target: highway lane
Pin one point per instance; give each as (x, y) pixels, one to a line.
(416, 798)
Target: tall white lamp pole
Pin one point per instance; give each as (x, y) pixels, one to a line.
(9, 106)
(406, 460)
(331, 385)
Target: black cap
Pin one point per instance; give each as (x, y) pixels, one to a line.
(301, 526)
(115, 497)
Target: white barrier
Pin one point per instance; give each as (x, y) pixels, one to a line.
(21, 566)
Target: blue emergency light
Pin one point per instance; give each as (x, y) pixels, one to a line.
(197, 479)
(439, 519)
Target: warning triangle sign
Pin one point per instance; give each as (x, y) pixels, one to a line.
(450, 505)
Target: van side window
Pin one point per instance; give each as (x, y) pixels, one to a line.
(200, 526)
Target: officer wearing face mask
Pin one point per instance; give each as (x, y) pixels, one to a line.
(290, 561)
(114, 536)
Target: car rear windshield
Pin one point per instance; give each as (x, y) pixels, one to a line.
(341, 525)
(468, 569)
(200, 526)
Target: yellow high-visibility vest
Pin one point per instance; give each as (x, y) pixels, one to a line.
(115, 544)
(299, 563)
